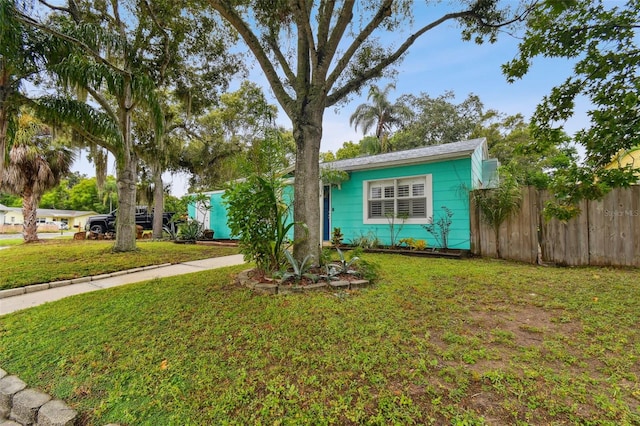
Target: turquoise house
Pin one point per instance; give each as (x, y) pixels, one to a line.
(408, 189)
(214, 216)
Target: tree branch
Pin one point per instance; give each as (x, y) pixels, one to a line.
(58, 8)
(165, 36)
(338, 32)
(372, 72)
(118, 21)
(229, 14)
(97, 141)
(303, 66)
(330, 47)
(325, 11)
(102, 101)
(304, 24)
(273, 44)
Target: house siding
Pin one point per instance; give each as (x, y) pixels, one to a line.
(218, 217)
(450, 186)
(476, 167)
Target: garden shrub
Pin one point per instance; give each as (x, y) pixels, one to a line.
(257, 216)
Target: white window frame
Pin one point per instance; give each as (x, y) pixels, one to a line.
(428, 193)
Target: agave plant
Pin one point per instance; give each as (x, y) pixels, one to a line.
(343, 266)
(189, 231)
(300, 269)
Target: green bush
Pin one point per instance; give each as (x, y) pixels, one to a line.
(257, 216)
(191, 230)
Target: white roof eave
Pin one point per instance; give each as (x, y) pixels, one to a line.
(423, 155)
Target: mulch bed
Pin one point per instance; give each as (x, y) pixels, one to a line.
(449, 253)
(259, 282)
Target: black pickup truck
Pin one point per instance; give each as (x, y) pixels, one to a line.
(103, 223)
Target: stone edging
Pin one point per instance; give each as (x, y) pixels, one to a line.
(243, 278)
(23, 406)
(45, 286)
(20, 405)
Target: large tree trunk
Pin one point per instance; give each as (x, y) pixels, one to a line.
(29, 213)
(126, 180)
(158, 201)
(126, 222)
(307, 132)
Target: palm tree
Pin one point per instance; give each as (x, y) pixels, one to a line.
(381, 114)
(499, 204)
(109, 192)
(35, 166)
(19, 57)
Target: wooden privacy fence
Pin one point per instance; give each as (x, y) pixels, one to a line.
(606, 233)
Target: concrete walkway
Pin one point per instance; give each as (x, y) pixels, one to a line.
(84, 285)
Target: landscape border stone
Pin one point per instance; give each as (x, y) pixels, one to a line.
(9, 386)
(24, 406)
(36, 287)
(57, 284)
(54, 284)
(56, 413)
(12, 292)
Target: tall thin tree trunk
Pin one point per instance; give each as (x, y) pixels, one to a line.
(4, 127)
(158, 201)
(307, 133)
(4, 115)
(29, 214)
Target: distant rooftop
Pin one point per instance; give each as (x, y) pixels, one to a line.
(49, 212)
(425, 154)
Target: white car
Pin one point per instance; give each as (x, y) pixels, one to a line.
(61, 225)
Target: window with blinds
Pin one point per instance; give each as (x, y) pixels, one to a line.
(397, 197)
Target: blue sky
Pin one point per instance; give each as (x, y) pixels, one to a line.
(440, 61)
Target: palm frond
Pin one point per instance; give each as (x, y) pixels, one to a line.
(78, 70)
(59, 110)
(100, 39)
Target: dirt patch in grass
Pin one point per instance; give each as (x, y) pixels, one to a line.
(526, 324)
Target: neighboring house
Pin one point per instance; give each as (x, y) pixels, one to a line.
(626, 158)
(75, 219)
(3, 211)
(215, 216)
(417, 183)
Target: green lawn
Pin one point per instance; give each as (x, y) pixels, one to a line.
(55, 259)
(433, 342)
(11, 242)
